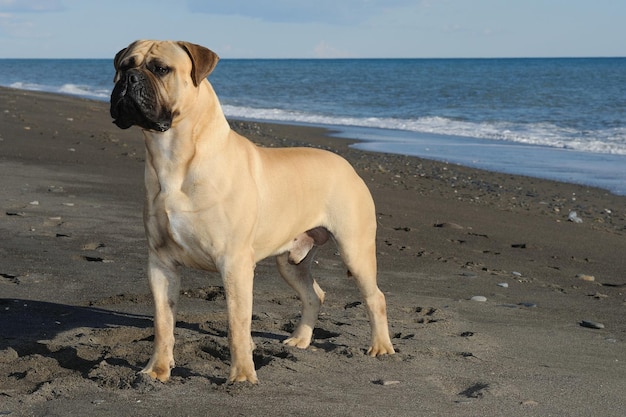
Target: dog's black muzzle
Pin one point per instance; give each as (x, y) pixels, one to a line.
(134, 102)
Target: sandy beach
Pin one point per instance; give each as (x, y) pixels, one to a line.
(545, 338)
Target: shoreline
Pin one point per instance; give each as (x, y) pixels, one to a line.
(569, 165)
(76, 311)
(601, 170)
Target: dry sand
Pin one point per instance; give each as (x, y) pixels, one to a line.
(75, 308)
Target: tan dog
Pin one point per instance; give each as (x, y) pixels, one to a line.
(215, 201)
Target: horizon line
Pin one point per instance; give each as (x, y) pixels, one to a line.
(361, 58)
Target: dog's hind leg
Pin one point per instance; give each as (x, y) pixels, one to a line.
(165, 286)
(359, 255)
(310, 294)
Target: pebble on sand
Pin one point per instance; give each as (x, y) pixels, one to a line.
(591, 324)
(527, 304)
(448, 225)
(479, 298)
(385, 382)
(573, 217)
(586, 277)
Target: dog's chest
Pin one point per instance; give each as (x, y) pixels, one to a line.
(180, 229)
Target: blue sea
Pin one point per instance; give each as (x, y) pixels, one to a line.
(562, 119)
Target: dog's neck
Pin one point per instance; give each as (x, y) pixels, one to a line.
(168, 153)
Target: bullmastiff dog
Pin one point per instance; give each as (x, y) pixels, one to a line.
(217, 202)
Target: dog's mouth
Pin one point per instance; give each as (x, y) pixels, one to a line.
(134, 103)
(127, 112)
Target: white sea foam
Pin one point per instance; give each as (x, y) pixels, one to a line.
(27, 86)
(83, 91)
(72, 89)
(608, 141)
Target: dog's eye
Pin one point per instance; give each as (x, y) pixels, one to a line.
(160, 70)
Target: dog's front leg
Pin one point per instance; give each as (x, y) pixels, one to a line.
(238, 276)
(165, 286)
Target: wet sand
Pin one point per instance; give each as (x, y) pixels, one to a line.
(76, 312)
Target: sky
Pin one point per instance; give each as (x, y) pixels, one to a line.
(318, 28)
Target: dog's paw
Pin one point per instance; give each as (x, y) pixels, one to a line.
(156, 372)
(378, 349)
(241, 375)
(299, 342)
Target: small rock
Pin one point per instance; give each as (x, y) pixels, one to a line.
(385, 382)
(573, 217)
(598, 295)
(55, 189)
(586, 277)
(516, 274)
(447, 225)
(591, 324)
(503, 285)
(479, 298)
(34, 203)
(529, 403)
(528, 305)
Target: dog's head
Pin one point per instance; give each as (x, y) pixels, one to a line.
(152, 79)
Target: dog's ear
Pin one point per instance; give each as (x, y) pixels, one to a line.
(118, 58)
(203, 60)
(116, 63)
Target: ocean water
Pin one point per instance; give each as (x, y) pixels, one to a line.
(562, 119)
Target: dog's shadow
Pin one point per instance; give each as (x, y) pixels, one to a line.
(24, 320)
(30, 327)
